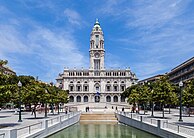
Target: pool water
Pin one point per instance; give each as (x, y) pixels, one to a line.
(101, 130)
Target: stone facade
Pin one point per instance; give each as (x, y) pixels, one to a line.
(182, 72)
(96, 84)
(6, 70)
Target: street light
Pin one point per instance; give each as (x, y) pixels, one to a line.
(180, 115)
(46, 105)
(152, 99)
(20, 116)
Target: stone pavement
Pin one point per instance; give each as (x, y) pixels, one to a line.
(10, 118)
(173, 117)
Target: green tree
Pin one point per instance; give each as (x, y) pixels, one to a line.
(164, 92)
(188, 94)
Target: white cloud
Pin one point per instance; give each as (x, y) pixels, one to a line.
(73, 16)
(112, 61)
(38, 50)
(158, 30)
(50, 50)
(9, 42)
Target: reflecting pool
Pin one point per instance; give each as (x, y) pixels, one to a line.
(101, 130)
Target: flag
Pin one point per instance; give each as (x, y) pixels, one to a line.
(97, 93)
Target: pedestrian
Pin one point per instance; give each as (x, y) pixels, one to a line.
(33, 110)
(132, 110)
(136, 109)
(123, 109)
(66, 108)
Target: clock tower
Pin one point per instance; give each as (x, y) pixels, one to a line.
(97, 48)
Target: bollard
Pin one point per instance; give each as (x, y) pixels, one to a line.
(29, 129)
(178, 128)
(60, 119)
(46, 124)
(141, 118)
(158, 124)
(13, 133)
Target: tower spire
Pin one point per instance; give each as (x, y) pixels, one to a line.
(97, 22)
(97, 47)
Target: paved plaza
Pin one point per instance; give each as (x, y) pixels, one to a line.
(10, 118)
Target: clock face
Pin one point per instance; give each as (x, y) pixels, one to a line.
(97, 55)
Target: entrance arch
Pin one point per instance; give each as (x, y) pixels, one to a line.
(108, 98)
(122, 99)
(85, 98)
(71, 99)
(97, 99)
(78, 99)
(115, 98)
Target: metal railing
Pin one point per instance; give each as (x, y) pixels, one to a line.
(179, 128)
(53, 121)
(138, 117)
(29, 129)
(26, 130)
(2, 135)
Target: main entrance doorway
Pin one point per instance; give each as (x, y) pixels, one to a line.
(97, 99)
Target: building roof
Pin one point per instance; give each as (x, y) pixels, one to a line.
(153, 78)
(183, 64)
(5, 68)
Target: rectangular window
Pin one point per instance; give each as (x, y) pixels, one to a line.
(78, 88)
(71, 88)
(115, 88)
(85, 88)
(97, 40)
(122, 88)
(97, 88)
(96, 64)
(108, 88)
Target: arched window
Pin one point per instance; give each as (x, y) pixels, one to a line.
(108, 87)
(78, 99)
(115, 98)
(85, 98)
(115, 87)
(108, 98)
(71, 99)
(122, 99)
(122, 87)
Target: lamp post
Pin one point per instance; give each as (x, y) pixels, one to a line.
(46, 105)
(152, 99)
(180, 115)
(20, 116)
(52, 105)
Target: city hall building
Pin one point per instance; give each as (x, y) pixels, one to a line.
(96, 84)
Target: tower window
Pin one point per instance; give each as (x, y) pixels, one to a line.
(96, 64)
(71, 88)
(96, 28)
(97, 40)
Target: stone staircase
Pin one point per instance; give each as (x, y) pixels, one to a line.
(98, 117)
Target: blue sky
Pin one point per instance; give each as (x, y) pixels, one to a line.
(41, 37)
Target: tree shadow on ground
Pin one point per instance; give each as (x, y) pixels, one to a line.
(4, 116)
(8, 125)
(36, 118)
(183, 116)
(158, 117)
(185, 123)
